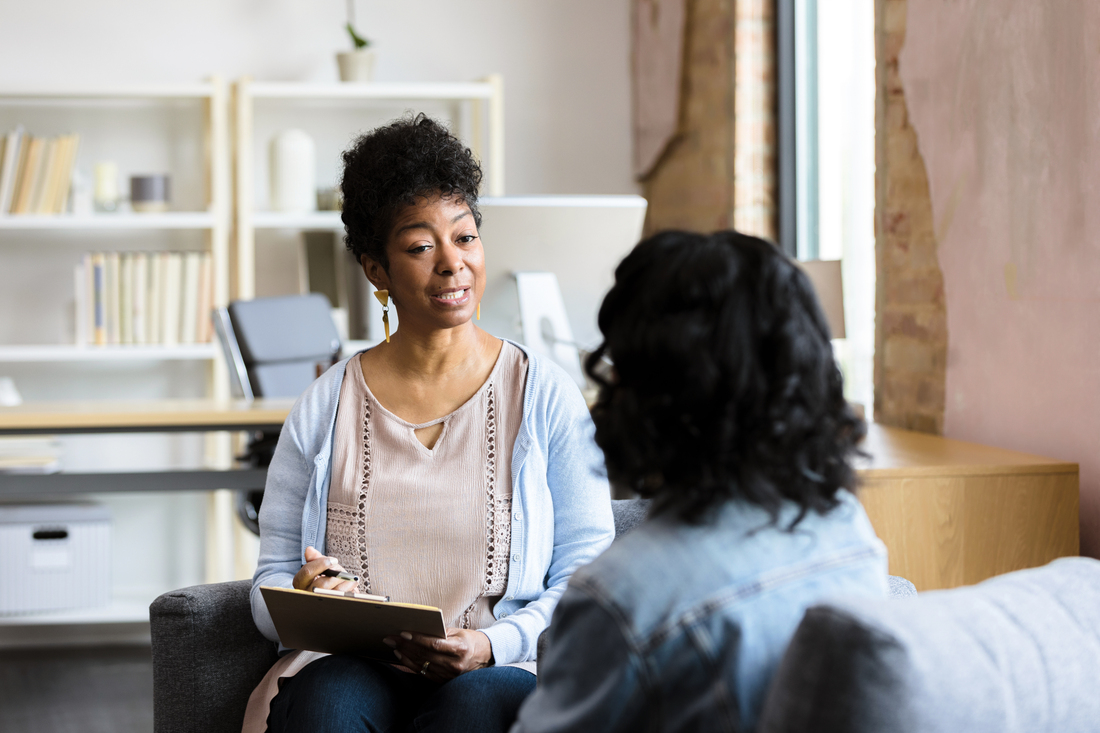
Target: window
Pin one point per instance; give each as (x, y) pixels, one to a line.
(826, 105)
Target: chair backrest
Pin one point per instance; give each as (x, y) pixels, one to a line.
(1019, 652)
(277, 346)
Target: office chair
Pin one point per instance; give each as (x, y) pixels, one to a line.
(274, 347)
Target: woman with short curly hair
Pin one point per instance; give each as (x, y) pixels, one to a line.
(444, 467)
(724, 406)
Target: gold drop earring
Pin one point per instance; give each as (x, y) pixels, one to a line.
(479, 310)
(384, 298)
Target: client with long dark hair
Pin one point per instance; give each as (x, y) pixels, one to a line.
(724, 405)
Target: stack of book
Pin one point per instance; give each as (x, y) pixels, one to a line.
(30, 455)
(144, 298)
(36, 172)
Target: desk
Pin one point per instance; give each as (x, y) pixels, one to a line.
(953, 513)
(204, 415)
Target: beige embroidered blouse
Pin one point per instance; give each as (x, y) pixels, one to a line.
(429, 526)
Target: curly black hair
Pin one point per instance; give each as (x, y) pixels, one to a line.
(391, 167)
(723, 385)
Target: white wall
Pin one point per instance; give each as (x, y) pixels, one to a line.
(565, 63)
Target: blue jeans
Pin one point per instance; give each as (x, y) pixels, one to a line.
(343, 694)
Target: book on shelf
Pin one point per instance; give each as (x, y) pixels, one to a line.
(189, 315)
(99, 305)
(111, 299)
(26, 181)
(157, 261)
(170, 300)
(36, 173)
(9, 167)
(47, 164)
(206, 300)
(126, 299)
(138, 298)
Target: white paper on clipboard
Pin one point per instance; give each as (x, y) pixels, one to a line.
(545, 325)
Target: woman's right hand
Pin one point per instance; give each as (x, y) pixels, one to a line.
(309, 577)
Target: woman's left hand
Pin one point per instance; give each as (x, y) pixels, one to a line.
(442, 659)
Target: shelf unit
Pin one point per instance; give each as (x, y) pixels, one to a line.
(205, 220)
(65, 352)
(215, 220)
(212, 220)
(485, 138)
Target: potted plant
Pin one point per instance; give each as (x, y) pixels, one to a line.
(356, 65)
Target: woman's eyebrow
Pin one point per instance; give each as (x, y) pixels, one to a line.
(426, 225)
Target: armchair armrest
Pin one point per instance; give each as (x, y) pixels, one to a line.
(207, 658)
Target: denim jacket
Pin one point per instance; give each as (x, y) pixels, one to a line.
(561, 502)
(680, 627)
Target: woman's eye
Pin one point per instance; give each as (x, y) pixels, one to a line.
(467, 239)
(419, 248)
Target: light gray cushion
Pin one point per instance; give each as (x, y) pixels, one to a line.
(900, 587)
(1018, 653)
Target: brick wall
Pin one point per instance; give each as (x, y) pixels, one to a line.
(719, 171)
(754, 173)
(911, 315)
(692, 185)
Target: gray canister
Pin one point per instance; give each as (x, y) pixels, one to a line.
(149, 193)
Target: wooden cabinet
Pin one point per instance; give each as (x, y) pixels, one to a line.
(953, 513)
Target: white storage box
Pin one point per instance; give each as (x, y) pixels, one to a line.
(54, 557)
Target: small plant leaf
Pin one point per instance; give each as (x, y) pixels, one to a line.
(358, 40)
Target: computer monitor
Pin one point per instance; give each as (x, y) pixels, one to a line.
(581, 239)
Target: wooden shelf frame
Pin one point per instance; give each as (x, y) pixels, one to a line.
(201, 220)
(68, 353)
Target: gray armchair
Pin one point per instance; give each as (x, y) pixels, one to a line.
(208, 655)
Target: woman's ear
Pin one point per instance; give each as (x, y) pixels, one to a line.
(374, 271)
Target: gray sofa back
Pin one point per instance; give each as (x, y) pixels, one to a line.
(1019, 653)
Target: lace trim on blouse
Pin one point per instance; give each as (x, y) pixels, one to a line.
(361, 504)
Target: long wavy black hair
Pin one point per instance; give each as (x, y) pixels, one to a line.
(723, 384)
(392, 166)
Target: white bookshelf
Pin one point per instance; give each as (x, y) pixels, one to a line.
(206, 190)
(123, 609)
(385, 91)
(83, 95)
(304, 220)
(202, 220)
(214, 221)
(67, 353)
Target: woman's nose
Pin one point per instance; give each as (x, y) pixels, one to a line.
(449, 260)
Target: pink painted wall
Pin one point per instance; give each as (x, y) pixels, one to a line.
(1005, 98)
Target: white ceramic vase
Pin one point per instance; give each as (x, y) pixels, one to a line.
(293, 172)
(356, 66)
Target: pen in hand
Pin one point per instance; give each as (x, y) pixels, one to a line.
(342, 575)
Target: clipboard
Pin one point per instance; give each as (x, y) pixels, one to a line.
(342, 625)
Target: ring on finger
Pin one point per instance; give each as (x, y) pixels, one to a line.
(424, 669)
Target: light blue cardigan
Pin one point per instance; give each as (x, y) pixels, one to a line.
(561, 504)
